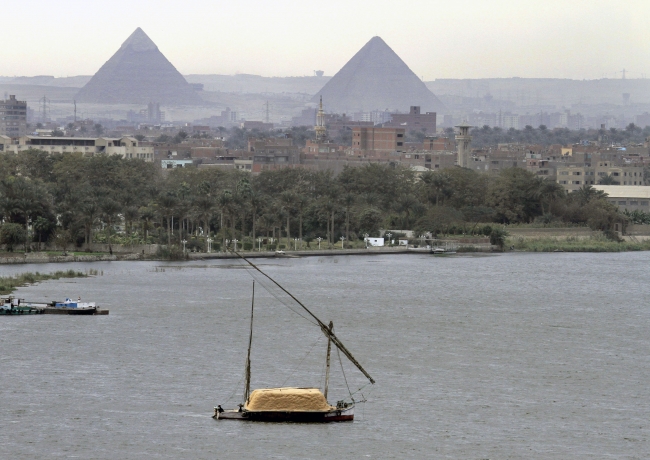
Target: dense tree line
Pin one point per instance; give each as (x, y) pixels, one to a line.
(487, 136)
(74, 200)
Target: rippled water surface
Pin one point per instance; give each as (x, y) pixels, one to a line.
(510, 356)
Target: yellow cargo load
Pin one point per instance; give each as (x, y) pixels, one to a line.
(288, 399)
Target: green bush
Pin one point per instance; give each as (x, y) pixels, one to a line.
(12, 235)
(498, 237)
(170, 253)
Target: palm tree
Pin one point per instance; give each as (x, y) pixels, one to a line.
(167, 203)
(204, 206)
(147, 214)
(110, 209)
(587, 193)
(549, 192)
(89, 210)
(256, 201)
(608, 180)
(437, 186)
(224, 202)
(288, 204)
(348, 200)
(301, 203)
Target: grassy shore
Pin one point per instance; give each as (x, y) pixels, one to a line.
(9, 283)
(571, 244)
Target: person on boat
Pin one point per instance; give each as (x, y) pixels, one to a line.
(219, 408)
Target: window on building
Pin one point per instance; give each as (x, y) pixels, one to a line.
(622, 202)
(634, 203)
(616, 174)
(644, 203)
(564, 173)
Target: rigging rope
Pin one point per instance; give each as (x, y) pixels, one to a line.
(344, 377)
(301, 361)
(268, 287)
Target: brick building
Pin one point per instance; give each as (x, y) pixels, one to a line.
(371, 139)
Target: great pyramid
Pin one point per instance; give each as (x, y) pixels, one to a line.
(138, 73)
(376, 78)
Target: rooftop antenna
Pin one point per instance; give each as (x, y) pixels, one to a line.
(267, 111)
(75, 110)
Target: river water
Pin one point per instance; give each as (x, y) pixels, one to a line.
(496, 356)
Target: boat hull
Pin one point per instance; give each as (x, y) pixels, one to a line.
(69, 311)
(21, 311)
(337, 415)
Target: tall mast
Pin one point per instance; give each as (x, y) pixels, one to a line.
(322, 325)
(327, 371)
(247, 388)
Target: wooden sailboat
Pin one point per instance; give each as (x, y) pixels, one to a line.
(291, 404)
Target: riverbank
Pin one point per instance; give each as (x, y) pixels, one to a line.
(9, 283)
(576, 244)
(594, 243)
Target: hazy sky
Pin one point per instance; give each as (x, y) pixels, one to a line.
(437, 39)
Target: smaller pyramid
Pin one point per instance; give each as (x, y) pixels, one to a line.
(138, 73)
(376, 78)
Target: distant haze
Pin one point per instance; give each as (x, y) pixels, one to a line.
(437, 39)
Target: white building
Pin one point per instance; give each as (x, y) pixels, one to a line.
(627, 197)
(126, 147)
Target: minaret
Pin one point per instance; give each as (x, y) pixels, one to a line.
(463, 141)
(321, 131)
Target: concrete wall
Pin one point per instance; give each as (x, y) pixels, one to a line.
(638, 230)
(578, 232)
(149, 249)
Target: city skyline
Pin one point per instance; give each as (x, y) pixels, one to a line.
(467, 39)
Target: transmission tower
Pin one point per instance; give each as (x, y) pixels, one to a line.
(44, 108)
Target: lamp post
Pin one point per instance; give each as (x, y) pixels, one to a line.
(259, 244)
(365, 238)
(235, 241)
(295, 244)
(342, 242)
(184, 242)
(319, 240)
(209, 240)
(389, 235)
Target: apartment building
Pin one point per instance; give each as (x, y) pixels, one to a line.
(371, 139)
(13, 117)
(413, 121)
(573, 177)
